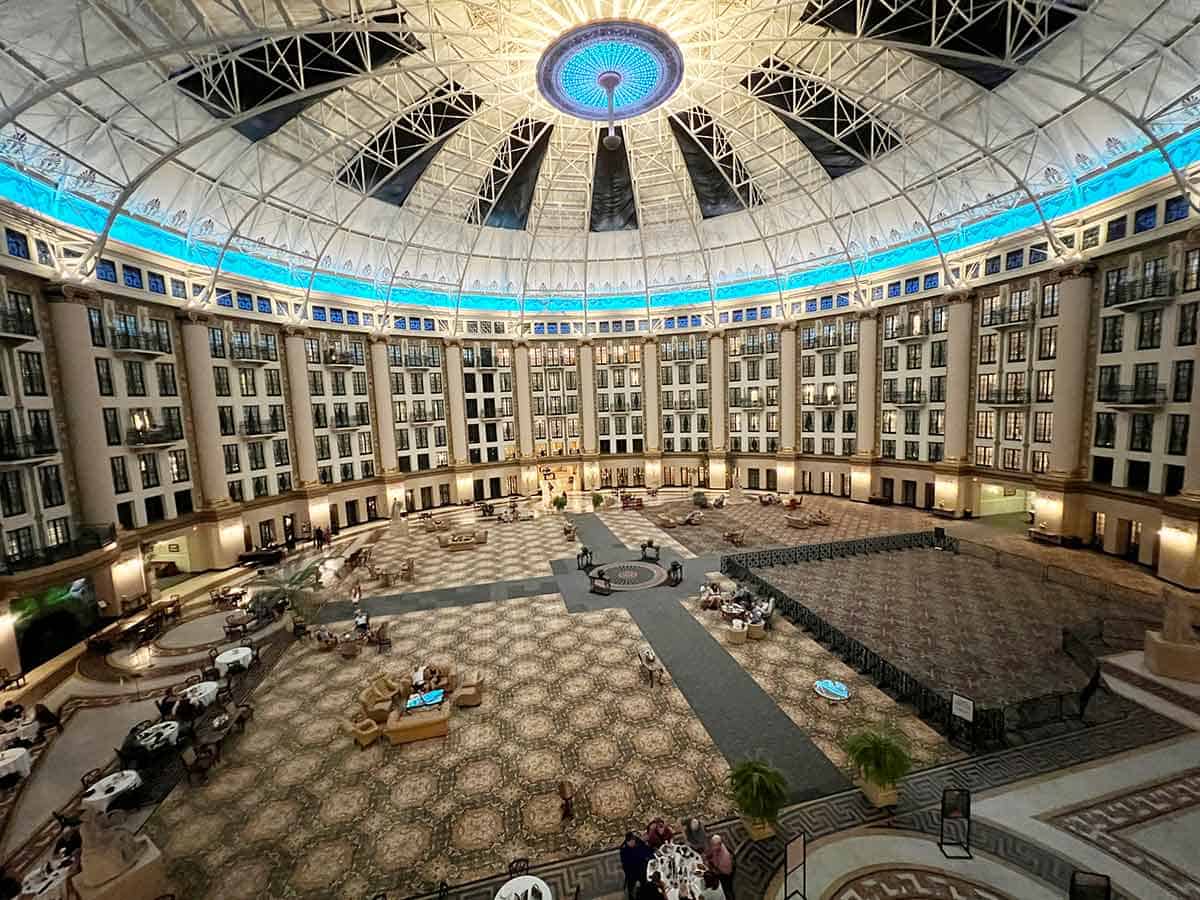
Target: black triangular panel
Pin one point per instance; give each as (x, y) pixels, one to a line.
(613, 205)
(515, 174)
(712, 164)
(829, 113)
(374, 168)
(986, 35)
(242, 83)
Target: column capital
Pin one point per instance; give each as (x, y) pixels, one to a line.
(1074, 266)
(718, 331)
(789, 325)
(453, 341)
(195, 317)
(61, 292)
(867, 312)
(295, 329)
(521, 342)
(377, 337)
(960, 293)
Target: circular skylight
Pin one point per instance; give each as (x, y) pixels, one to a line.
(646, 62)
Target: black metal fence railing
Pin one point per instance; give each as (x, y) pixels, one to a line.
(89, 538)
(990, 726)
(14, 321)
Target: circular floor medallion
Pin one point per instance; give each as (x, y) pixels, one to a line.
(632, 575)
(831, 690)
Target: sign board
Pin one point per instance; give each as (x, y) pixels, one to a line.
(962, 707)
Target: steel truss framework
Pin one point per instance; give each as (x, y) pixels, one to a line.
(92, 102)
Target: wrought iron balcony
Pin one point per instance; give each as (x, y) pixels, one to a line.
(827, 400)
(260, 353)
(998, 397)
(1154, 291)
(27, 449)
(829, 341)
(1006, 317)
(1132, 395)
(907, 398)
(134, 344)
(89, 539)
(256, 426)
(155, 436)
(907, 331)
(338, 359)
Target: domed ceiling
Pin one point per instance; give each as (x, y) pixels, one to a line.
(456, 148)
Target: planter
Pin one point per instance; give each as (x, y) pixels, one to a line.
(760, 829)
(879, 795)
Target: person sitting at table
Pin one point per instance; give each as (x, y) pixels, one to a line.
(46, 720)
(166, 705)
(362, 622)
(11, 712)
(712, 888)
(718, 859)
(186, 710)
(634, 856)
(658, 833)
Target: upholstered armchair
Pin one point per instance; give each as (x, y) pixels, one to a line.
(470, 693)
(365, 732)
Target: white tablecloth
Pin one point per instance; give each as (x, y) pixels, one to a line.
(686, 860)
(13, 731)
(514, 888)
(155, 737)
(47, 881)
(109, 788)
(15, 760)
(200, 695)
(239, 655)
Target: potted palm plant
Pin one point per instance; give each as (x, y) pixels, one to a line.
(881, 761)
(759, 791)
(301, 590)
(597, 501)
(560, 502)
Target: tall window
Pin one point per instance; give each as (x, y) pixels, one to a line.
(233, 459)
(12, 493)
(1048, 342)
(33, 378)
(104, 379)
(167, 386)
(1106, 430)
(148, 467)
(119, 476)
(135, 379)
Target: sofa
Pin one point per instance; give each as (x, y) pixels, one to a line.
(404, 726)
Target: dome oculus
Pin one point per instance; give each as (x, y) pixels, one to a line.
(639, 63)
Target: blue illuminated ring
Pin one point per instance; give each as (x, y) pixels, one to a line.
(649, 62)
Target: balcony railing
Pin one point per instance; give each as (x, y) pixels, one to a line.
(1007, 397)
(90, 537)
(263, 426)
(154, 436)
(829, 341)
(1005, 316)
(131, 342)
(27, 448)
(261, 353)
(908, 331)
(1143, 291)
(15, 323)
(1132, 394)
(907, 398)
(827, 400)
(422, 361)
(343, 422)
(335, 357)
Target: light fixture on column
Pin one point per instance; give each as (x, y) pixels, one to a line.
(610, 81)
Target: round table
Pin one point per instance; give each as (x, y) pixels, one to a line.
(156, 737)
(48, 881)
(241, 617)
(514, 888)
(15, 760)
(239, 655)
(200, 695)
(109, 788)
(831, 690)
(677, 864)
(18, 731)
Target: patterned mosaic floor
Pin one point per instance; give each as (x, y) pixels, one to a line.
(955, 622)
(514, 550)
(631, 527)
(788, 662)
(764, 526)
(296, 810)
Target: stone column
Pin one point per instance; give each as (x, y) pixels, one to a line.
(587, 396)
(524, 400)
(456, 402)
(1070, 373)
(861, 474)
(202, 397)
(651, 415)
(303, 441)
(788, 373)
(958, 377)
(89, 451)
(718, 406)
(385, 425)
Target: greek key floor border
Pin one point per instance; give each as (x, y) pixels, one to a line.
(758, 861)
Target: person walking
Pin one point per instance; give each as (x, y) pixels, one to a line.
(635, 853)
